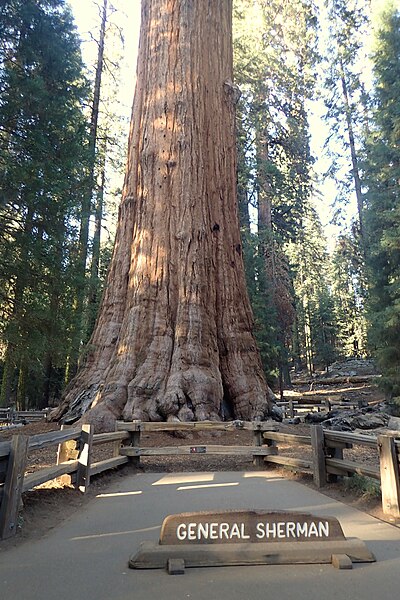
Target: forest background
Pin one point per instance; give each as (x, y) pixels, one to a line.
(318, 138)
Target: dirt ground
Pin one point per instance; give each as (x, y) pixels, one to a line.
(46, 506)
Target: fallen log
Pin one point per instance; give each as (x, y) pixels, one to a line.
(333, 380)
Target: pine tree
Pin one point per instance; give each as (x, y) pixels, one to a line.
(345, 98)
(86, 212)
(112, 126)
(348, 296)
(314, 338)
(42, 162)
(382, 169)
(274, 54)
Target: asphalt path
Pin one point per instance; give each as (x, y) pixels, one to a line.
(86, 557)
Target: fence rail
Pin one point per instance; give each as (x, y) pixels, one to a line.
(75, 457)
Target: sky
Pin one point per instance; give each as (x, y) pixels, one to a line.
(86, 14)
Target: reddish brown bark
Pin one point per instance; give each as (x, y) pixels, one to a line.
(174, 333)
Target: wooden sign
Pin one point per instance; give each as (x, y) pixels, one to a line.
(232, 527)
(249, 537)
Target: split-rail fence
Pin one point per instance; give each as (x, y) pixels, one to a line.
(74, 457)
(9, 416)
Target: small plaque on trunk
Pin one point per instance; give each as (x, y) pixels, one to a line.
(198, 449)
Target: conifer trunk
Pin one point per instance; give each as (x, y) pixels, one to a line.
(86, 206)
(173, 339)
(94, 283)
(353, 153)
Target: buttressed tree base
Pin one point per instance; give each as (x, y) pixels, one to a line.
(173, 339)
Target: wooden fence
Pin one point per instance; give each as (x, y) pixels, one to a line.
(258, 450)
(10, 416)
(75, 454)
(75, 457)
(292, 408)
(327, 460)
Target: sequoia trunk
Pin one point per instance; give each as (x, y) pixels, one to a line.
(174, 334)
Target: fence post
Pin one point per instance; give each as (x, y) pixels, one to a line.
(258, 461)
(318, 448)
(116, 445)
(333, 452)
(274, 449)
(135, 442)
(291, 408)
(389, 467)
(84, 459)
(134, 430)
(13, 486)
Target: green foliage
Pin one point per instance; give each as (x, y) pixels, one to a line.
(306, 310)
(42, 175)
(348, 291)
(271, 304)
(366, 487)
(346, 98)
(382, 170)
(273, 47)
(316, 325)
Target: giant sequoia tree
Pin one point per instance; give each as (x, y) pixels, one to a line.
(173, 337)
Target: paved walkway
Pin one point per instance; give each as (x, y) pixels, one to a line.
(85, 558)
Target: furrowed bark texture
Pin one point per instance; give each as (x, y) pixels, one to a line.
(174, 334)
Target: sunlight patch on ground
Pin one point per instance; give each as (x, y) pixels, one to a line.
(117, 494)
(113, 534)
(207, 485)
(261, 475)
(176, 479)
(316, 507)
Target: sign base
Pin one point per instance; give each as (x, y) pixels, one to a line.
(156, 556)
